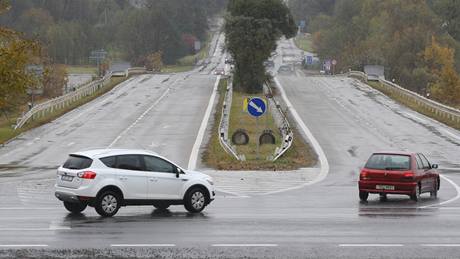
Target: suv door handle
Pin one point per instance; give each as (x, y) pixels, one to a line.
(153, 179)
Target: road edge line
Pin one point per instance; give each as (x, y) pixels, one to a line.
(457, 189)
(204, 124)
(311, 139)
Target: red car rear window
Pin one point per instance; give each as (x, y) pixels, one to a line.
(389, 162)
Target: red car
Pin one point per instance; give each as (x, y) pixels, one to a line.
(398, 173)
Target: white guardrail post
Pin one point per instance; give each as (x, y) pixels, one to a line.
(440, 109)
(224, 122)
(283, 123)
(42, 109)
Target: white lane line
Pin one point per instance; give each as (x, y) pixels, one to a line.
(142, 245)
(85, 109)
(450, 168)
(29, 208)
(71, 144)
(204, 123)
(324, 171)
(451, 134)
(139, 118)
(35, 229)
(245, 245)
(457, 189)
(25, 245)
(441, 245)
(371, 245)
(58, 226)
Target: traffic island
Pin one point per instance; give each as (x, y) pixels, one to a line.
(253, 155)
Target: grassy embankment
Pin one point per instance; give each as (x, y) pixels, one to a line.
(414, 106)
(304, 42)
(298, 156)
(6, 126)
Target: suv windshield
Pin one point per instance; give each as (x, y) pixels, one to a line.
(77, 162)
(388, 162)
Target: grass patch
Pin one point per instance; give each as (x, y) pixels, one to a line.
(176, 69)
(304, 42)
(414, 106)
(298, 156)
(7, 131)
(241, 119)
(82, 70)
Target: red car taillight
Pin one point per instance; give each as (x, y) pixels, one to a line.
(409, 176)
(87, 175)
(364, 175)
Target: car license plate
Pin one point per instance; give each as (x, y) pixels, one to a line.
(67, 178)
(385, 187)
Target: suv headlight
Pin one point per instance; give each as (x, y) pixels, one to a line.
(210, 181)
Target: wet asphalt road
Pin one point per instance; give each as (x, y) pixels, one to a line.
(348, 119)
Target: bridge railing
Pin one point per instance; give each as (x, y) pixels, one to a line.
(50, 106)
(444, 111)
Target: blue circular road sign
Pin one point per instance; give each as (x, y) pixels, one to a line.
(257, 107)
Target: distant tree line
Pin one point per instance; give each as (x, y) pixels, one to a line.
(70, 29)
(418, 41)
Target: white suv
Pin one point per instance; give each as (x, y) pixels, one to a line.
(109, 178)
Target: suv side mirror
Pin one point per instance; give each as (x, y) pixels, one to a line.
(434, 166)
(178, 172)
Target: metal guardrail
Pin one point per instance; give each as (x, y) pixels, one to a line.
(439, 109)
(224, 123)
(42, 109)
(283, 124)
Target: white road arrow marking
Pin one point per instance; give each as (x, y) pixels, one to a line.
(253, 105)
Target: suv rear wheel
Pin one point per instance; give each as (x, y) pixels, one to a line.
(107, 204)
(195, 200)
(75, 207)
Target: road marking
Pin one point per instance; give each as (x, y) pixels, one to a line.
(245, 245)
(457, 189)
(38, 245)
(139, 118)
(35, 229)
(58, 226)
(441, 245)
(28, 208)
(86, 109)
(142, 245)
(371, 245)
(451, 134)
(71, 144)
(204, 123)
(316, 146)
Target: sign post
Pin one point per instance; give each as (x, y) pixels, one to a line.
(334, 62)
(256, 108)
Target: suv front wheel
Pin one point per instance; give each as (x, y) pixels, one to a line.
(107, 204)
(195, 200)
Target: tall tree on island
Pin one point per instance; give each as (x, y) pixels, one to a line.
(252, 28)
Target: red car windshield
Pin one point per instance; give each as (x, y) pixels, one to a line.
(388, 162)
